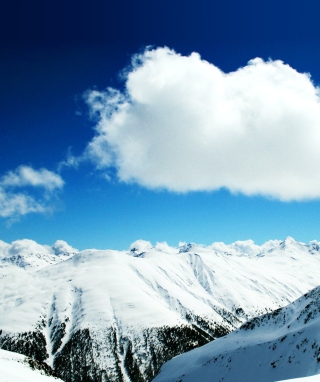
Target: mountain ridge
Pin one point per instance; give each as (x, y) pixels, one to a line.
(282, 344)
(133, 310)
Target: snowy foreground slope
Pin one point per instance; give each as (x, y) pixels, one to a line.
(118, 316)
(313, 378)
(18, 368)
(279, 345)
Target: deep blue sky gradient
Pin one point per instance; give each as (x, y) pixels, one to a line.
(51, 52)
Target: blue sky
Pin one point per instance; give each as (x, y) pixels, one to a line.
(52, 54)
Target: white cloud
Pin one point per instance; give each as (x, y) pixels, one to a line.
(166, 248)
(27, 246)
(27, 176)
(141, 245)
(15, 203)
(184, 125)
(61, 247)
(4, 249)
(238, 248)
(70, 161)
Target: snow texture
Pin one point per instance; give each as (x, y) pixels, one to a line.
(15, 368)
(278, 345)
(313, 378)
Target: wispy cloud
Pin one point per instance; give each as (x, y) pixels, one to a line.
(27, 176)
(184, 125)
(70, 161)
(16, 188)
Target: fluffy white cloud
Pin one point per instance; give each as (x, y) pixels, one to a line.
(27, 246)
(238, 248)
(166, 248)
(183, 125)
(15, 203)
(60, 247)
(141, 245)
(4, 249)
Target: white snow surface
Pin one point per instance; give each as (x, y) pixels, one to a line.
(276, 346)
(313, 378)
(150, 286)
(14, 368)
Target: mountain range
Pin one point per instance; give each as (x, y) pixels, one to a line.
(105, 315)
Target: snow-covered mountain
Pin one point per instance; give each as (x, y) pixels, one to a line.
(119, 315)
(276, 346)
(18, 368)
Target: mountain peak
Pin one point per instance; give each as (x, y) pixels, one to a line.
(185, 247)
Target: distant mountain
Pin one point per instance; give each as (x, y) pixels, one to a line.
(118, 316)
(275, 346)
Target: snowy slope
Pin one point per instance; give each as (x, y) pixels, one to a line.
(313, 378)
(279, 345)
(121, 315)
(16, 368)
